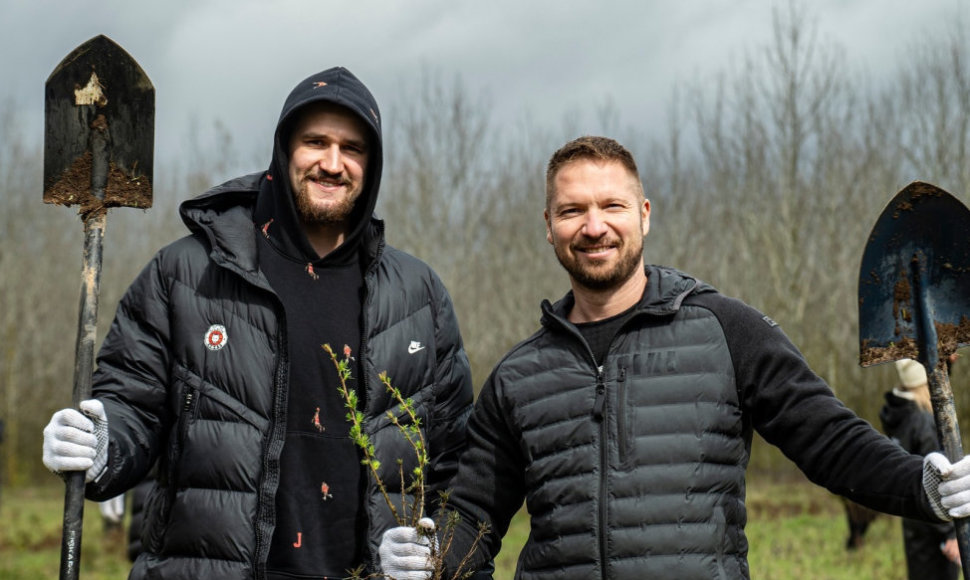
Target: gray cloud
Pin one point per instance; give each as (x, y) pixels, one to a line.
(236, 60)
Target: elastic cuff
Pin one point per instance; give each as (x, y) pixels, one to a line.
(931, 486)
(100, 474)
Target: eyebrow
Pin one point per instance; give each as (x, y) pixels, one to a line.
(310, 134)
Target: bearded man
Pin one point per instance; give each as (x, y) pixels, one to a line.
(214, 365)
(625, 422)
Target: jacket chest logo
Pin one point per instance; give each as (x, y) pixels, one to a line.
(216, 337)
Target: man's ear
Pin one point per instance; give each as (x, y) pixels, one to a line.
(645, 215)
(545, 217)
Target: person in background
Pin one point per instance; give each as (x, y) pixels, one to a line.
(213, 365)
(625, 422)
(112, 514)
(907, 417)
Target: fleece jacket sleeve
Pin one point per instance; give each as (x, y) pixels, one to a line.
(793, 408)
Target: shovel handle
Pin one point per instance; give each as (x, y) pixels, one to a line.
(73, 520)
(941, 395)
(948, 431)
(83, 370)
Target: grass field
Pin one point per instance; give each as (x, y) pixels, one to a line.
(796, 531)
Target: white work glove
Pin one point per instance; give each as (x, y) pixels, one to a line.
(406, 552)
(76, 442)
(113, 510)
(947, 485)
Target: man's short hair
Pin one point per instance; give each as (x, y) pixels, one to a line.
(592, 148)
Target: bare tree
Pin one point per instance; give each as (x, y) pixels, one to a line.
(766, 185)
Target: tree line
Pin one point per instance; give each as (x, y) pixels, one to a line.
(765, 183)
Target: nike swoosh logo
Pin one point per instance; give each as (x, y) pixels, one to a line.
(414, 347)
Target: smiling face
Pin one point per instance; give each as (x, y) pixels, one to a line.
(596, 220)
(328, 163)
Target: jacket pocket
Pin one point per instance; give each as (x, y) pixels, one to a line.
(210, 421)
(203, 399)
(624, 421)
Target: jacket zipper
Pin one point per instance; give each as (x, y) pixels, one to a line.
(188, 404)
(623, 443)
(371, 557)
(189, 401)
(274, 444)
(599, 415)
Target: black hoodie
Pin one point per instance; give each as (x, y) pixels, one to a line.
(319, 520)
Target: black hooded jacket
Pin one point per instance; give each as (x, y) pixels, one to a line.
(211, 346)
(914, 429)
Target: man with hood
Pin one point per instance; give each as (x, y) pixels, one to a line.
(214, 364)
(625, 422)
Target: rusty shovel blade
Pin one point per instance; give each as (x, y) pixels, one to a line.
(915, 273)
(98, 90)
(914, 299)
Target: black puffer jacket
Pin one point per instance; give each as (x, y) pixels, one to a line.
(215, 417)
(636, 469)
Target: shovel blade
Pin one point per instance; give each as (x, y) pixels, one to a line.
(99, 87)
(927, 227)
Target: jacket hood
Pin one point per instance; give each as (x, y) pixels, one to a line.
(276, 213)
(665, 291)
(895, 411)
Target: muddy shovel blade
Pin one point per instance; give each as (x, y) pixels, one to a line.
(914, 300)
(923, 234)
(98, 145)
(99, 89)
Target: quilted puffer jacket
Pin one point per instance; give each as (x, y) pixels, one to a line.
(635, 468)
(194, 372)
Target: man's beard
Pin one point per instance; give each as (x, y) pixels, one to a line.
(599, 278)
(332, 214)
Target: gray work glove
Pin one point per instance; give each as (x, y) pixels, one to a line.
(406, 552)
(78, 442)
(113, 510)
(947, 485)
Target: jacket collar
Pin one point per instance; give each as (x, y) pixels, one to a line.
(665, 292)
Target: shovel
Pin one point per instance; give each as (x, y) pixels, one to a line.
(99, 118)
(914, 301)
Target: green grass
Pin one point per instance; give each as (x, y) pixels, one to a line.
(30, 538)
(795, 530)
(798, 530)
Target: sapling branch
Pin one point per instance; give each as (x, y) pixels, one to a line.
(356, 419)
(406, 514)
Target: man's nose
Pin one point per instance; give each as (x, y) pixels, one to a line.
(330, 161)
(595, 226)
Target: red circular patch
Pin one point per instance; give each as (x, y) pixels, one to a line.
(216, 337)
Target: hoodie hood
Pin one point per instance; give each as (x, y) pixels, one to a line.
(896, 412)
(276, 213)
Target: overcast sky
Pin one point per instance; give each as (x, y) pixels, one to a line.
(236, 60)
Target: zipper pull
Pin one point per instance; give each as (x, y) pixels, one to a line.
(600, 404)
(189, 398)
